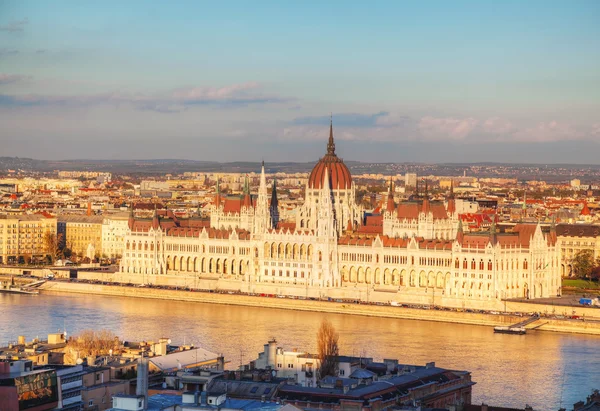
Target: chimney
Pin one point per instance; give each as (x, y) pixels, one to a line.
(142, 380)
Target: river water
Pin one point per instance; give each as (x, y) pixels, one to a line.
(540, 369)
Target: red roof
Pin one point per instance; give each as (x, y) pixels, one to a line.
(409, 211)
(585, 210)
(339, 175)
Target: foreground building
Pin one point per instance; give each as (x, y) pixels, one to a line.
(360, 383)
(418, 253)
(22, 388)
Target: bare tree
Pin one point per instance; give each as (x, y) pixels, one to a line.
(328, 350)
(93, 343)
(52, 244)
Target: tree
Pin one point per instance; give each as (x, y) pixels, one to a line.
(52, 243)
(583, 263)
(327, 349)
(27, 258)
(92, 343)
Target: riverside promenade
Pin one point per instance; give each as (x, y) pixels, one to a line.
(587, 323)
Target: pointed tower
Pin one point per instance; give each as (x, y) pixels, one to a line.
(155, 221)
(274, 207)
(247, 201)
(493, 233)
(451, 201)
(217, 202)
(331, 143)
(216, 210)
(131, 220)
(425, 208)
(261, 216)
(460, 235)
(390, 206)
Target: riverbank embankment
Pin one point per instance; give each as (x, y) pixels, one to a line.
(483, 319)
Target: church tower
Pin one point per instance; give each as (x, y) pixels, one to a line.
(262, 220)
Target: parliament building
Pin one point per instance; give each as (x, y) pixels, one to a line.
(417, 254)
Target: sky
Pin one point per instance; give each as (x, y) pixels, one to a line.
(403, 81)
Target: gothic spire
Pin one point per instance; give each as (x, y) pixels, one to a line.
(274, 193)
(155, 221)
(460, 235)
(390, 206)
(217, 194)
(247, 198)
(425, 208)
(331, 144)
(274, 207)
(493, 232)
(131, 220)
(451, 201)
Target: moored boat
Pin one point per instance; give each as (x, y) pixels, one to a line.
(510, 330)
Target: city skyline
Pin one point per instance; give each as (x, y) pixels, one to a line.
(462, 82)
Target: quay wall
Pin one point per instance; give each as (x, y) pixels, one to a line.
(571, 326)
(381, 295)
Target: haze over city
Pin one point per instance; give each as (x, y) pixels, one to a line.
(428, 82)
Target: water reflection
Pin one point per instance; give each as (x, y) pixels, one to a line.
(509, 370)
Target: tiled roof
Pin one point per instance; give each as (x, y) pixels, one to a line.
(578, 230)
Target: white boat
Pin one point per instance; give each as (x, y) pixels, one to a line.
(510, 330)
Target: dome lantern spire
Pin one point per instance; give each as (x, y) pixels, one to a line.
(330, 143)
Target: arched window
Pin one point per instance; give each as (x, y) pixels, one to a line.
(456, 263)
(465, 266)
(481, 264)
(490, 265)
(525, 265)
(473, 264)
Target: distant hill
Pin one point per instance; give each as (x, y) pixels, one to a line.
(549, 172)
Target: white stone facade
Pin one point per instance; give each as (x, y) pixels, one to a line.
(428, 260)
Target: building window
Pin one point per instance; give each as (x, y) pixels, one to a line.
(342, 372)
(90, 403)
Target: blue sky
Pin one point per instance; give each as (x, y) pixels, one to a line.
(405, 81)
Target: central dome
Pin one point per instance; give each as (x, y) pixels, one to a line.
(339, 175)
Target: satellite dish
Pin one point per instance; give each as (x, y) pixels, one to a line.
(79, 361)
(274, 373)
(169, 341)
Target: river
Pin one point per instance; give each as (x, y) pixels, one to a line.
(540, 369)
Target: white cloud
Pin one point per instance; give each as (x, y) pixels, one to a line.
(169, 102)
(446, 128)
